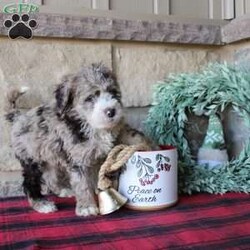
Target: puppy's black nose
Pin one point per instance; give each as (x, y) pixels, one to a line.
(110, 113)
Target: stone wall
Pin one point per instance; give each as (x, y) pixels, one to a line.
(40, 63)
(140, 66)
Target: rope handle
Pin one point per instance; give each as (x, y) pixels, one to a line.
(117, 157)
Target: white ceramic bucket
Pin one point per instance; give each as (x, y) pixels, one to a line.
(149, 179)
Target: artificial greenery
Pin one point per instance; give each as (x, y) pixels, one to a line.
(209, 91)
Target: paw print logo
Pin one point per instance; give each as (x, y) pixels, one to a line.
(20, 26)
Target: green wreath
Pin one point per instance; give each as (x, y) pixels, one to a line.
(212, 90)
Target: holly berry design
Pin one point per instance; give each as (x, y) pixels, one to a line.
(162, 163)
(145, 172)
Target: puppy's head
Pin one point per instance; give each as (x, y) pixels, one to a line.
(92, 95)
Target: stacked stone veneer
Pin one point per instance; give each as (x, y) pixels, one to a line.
(137, 51)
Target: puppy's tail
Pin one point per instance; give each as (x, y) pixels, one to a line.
(11, 97)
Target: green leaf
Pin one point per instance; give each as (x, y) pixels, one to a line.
(139, 173)
(150, 169)
(147, 160)
(157, 157)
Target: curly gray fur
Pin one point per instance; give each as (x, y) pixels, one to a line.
(62, 145)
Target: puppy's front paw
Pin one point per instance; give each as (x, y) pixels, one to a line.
(43, 206)
(86, 210)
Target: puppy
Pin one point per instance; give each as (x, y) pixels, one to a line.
(62, 145)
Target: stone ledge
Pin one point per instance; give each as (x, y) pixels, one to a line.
(106, 25)
(236, 30)
(111, 25)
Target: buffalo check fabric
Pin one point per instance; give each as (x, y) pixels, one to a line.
(201, 221)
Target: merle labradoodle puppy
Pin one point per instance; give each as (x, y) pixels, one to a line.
(62, 145)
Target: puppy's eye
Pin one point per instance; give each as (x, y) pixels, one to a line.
(114, 93)
(90, 98)
(97, 93)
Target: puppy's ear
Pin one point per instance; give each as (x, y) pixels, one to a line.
(106, 72)
(64, 96)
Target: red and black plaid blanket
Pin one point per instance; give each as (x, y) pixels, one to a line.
(200, 221)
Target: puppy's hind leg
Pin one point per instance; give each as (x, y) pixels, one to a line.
(32, 187)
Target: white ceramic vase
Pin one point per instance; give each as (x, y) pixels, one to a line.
(149, 179)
